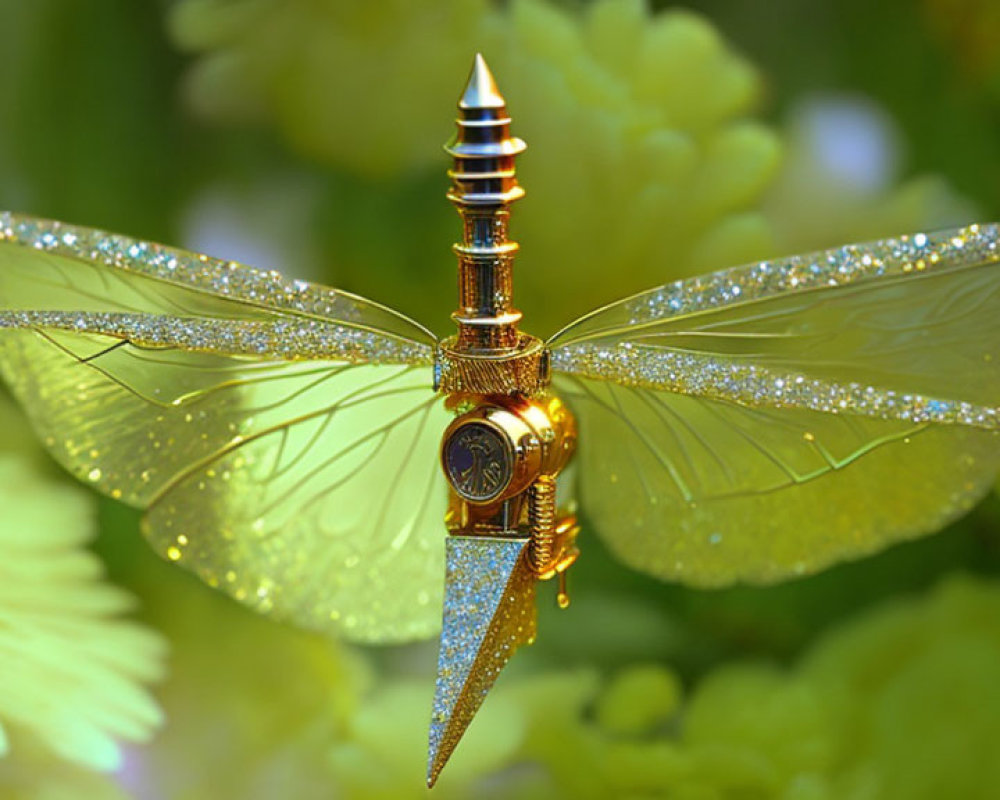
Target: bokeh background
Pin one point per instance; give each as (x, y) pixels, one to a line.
(305, 135)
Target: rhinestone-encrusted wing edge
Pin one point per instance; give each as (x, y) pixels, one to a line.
(226, 279)
(608, 343)
(908, 255)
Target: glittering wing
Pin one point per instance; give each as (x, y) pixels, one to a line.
(282, 435)
(768, 420)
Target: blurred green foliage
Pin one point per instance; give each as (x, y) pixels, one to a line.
(862, 682)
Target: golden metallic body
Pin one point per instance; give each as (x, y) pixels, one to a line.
(502, 455)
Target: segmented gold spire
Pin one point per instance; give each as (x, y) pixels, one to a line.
(484, 184)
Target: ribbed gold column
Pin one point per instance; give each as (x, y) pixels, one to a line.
(484, 184)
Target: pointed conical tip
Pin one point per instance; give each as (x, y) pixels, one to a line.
(432, 778)
(481, 91)
(436, 765)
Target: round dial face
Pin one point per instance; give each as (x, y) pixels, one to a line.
(477, 462)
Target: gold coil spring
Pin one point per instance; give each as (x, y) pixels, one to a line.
(542, 521)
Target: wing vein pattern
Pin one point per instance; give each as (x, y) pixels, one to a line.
(282, 436)
(768, 420)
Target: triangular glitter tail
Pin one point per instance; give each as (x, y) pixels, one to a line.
(489, 611)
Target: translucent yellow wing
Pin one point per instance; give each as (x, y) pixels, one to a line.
(768, 420)
(282, 435)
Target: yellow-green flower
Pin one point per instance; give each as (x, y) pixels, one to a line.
(644, 162)
(637, 123)
(73, 672)
(902, 702)
(365, 86)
